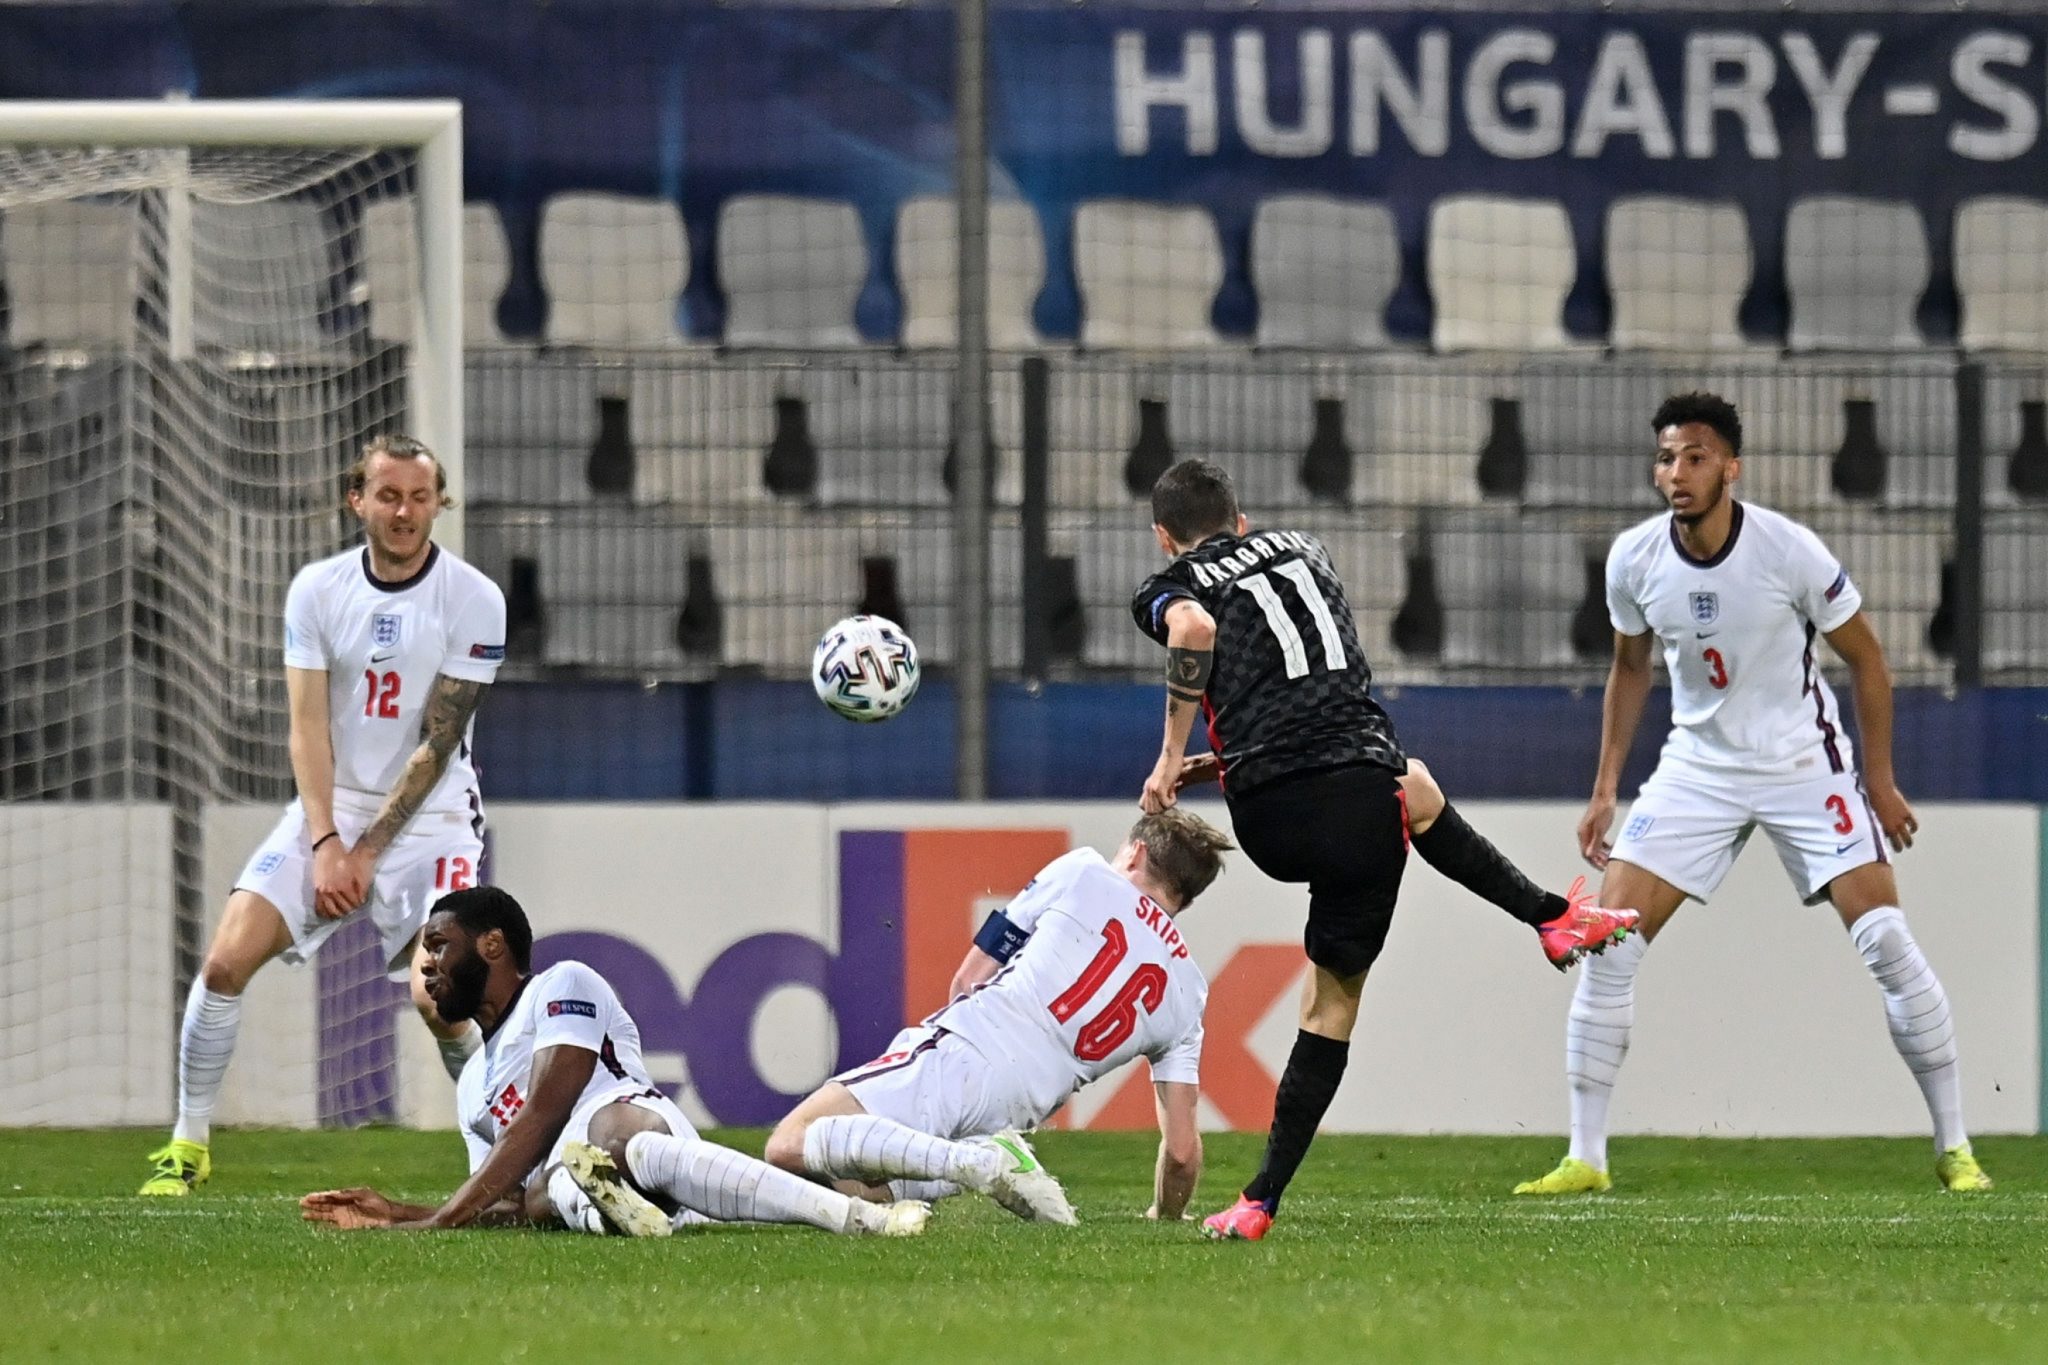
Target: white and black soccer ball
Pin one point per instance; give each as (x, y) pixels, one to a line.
(866, 668)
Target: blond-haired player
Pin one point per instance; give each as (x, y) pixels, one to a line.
(387, 650)
(1738, 597)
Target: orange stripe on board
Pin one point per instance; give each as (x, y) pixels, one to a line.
(946, 873)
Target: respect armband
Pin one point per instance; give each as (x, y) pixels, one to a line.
(999, 938)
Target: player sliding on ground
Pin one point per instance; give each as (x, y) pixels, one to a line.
(562, 1123)
(387, 652)
(1259, 635)
(1083, 971)
(1736, 595)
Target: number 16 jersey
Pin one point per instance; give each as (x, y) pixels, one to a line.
(1291, 692)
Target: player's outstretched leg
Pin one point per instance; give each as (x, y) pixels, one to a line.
(251, 933)
(1916, 1008)
(733, 1187)
(1568, 926)
(1003, 1167)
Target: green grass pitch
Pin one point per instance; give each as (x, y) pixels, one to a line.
(1390, 1249)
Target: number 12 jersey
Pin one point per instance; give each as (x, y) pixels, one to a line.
(1291, 692)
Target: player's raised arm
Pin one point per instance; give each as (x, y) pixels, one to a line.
(1871, 679)
(1190, 654)
(560, 1075)
(1621, 712)
(1180, 1150)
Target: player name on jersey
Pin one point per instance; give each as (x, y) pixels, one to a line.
(1255, 551)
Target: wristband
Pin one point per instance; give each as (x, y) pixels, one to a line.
(330, 834)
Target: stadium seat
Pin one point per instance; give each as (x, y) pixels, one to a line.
(882, 429)
(1510, 586)
(1677, 270)
(1587, 425)
(1895, 559)
(792, 270)
(70, 269)
(923, 550)
(700, 428)
(531, 421)
(1091, 426)
(1148, 274)
(1368, 557)
(613, 267)
(927, 269)
(1418, 423)
(1856, 269)
(391, 270)
(782, 581)
(1324, 268)
(2016, 592)
(282, 251)
(1255, 422)
(2001, 272)
(1499, 270)
(1112, 555)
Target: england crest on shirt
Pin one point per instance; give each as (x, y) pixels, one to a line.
(1706, 608)
(384, 630)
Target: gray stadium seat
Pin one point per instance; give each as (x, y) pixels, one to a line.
(927, 267)
(1254, 422)
(925, 576)
(1148, 274)
(2001, 272)
(1499, 270)
(1895, 560)
(1677, 269)
(792, 270)
(71, 272)
(1091, 427)
(1510, 586)
(1856, 269)
(263, 277)
(2016, 592)
(1587, 425)
(782, 581)
(531, 421)
(391, 270)
(1418, 423)
(613, 266)
(1324, 268)
(881, 428)
(1112, 555)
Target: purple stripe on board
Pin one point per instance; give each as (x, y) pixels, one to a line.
(358, 1034)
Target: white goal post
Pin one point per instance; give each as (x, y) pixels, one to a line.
(208, 307)
(433, 128)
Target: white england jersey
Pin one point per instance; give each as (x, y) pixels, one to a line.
(568, 1005)
(382, 644)
(1104, 977)
(1741, 640)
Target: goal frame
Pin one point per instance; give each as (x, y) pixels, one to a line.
(433, 128)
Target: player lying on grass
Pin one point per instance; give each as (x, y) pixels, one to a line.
(1260, 637)
(562, 1122)
(1082, 972)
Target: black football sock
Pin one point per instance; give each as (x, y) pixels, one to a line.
(1463, 854)
(1306, 1088)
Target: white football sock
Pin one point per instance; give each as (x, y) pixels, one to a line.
(733, 1187)
(1916, 1007)
(205, 1042)
(930, 1191)
(456, 1051)
(1596, 1039)
(863, 1147)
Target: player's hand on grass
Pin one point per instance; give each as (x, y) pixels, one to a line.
(351, 1209)
(1161, 786)
(1894, 816)
(1200, 769)
(1594, 845)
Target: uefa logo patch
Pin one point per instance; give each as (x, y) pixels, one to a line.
(1706, 608)
(384, 630)
(1638, 827)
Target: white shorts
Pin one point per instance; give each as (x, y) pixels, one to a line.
(1688, 824)
(437, 853)
(571, 1205)
(937, 1082)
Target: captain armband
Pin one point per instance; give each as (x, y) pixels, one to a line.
(999, 938)
(1187, 672)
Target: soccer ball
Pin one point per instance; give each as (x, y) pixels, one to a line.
(865, 668)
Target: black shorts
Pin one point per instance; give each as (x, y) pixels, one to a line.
(1345, 833)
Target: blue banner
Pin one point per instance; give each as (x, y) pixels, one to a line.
(698, 103)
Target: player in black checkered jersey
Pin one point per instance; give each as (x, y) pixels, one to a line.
(1259, 636)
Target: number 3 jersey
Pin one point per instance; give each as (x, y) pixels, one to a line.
(382, 645)
(1104, 977)
(1739, 636)
(1290, 692)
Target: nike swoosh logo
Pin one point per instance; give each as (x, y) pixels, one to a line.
(1844, 848)
(1705, 634)
(381, 658)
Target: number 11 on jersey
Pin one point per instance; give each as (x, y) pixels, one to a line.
(1293, 651)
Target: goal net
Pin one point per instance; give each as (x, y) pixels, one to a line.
(207, 315)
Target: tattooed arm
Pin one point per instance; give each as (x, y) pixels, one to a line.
(1190, 651)
(449, 708)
